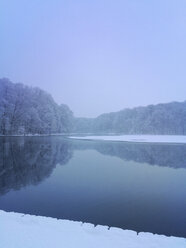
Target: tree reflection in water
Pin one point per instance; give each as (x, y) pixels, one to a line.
(29, 160)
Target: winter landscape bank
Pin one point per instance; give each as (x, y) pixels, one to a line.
(36, 231)
(28, 111)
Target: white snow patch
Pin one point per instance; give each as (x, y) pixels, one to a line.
(138, 138)
(20, 231)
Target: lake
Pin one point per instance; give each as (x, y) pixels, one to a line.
(134, 186)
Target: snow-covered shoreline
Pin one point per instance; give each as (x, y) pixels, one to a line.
(177, 139)
(34, 135)
(20, 231)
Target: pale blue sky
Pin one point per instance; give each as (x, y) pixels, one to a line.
(96, 56)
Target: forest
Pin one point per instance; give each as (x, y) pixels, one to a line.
(29, 110)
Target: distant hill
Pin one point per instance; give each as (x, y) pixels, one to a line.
(27, 110)
(169, 118)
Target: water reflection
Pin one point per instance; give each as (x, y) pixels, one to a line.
(29, 160)
(95, 188)
(169, 155)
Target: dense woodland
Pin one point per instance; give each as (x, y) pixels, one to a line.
(27, 110)
(167, 118)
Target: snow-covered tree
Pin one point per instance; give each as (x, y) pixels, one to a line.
(27, 110)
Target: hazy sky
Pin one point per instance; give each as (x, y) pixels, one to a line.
(94, 55)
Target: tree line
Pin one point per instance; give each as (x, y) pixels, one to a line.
(30, 110)
(169, 118)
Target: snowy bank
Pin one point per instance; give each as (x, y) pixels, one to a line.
(179, 139)
(20, 231)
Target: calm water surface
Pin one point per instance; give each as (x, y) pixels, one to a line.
(141, 187)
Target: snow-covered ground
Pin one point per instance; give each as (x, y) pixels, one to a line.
(138, 138)
(20, 231)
